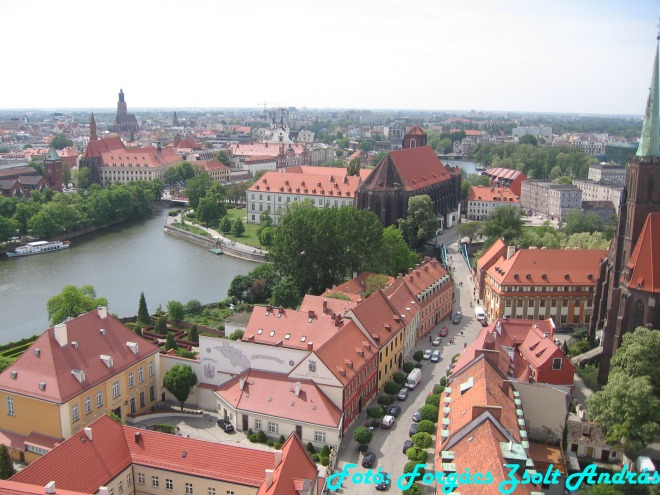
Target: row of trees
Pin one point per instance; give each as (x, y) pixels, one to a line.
(51, 213)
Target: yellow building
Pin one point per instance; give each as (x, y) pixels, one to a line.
(73, 374)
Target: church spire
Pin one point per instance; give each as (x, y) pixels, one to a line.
(649, 142)
(92, 128)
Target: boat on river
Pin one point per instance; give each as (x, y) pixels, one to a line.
(38, 247)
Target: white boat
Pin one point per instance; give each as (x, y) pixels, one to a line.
(38, 247)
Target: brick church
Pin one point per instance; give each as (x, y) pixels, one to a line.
(628, 291)
(411, 171)
(124, 122)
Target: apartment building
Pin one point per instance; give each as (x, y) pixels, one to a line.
(549, 198)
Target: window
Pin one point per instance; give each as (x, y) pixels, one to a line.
(169, 484)
(154, 481)
(142, 402)
(115, 389)
(638, 314)
(189, 489)
(257, 424)
(542, 303)
(211, 491)
(111, 491)
(10, 405)
(564, 303)
(273, 427)
(141, 479)
(75, 415)
(36, 450)
(556, 364)
(131, 380)
(99, 399)
(319, 436)
(151, 369)
(152, 393)
(129, 479)
(140, 374)
(553, 303)
(120, 487)
(88, 405)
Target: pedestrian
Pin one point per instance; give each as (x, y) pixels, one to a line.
(430, 338)
(461, 333)
(464, 345)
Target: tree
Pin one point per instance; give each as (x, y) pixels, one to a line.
(5, 363)
(73, 301)
(197, 187)
(176, 310)
(399, 378)
(366, 145)
(8, 228)
(285, 294)
(60, 141)
(418, 356)
(6, 465)
(426, 426)
(375, 283)
(375, 412)
(422, 440)
(209, 211)
(225, 225)
(395, 256)
(417, 455)
(161, 325)
(578, 221)
(564, 179)
(433, 399)
(170, 343)
(143, 317)
(411, 466)
(470, 230)
(194, 307)
(265, 220)
(266, 235)
(421, 224)
(384, 400)
(223, 158)
(528, 139)
(415, 489)
(354, 166)
(237, 227)
(408, 367)
(391, 388)
(505, 222)
(193, 335)
(629, 410)
(429, 412)
(638, 355)
(178, 380)
(362, 435)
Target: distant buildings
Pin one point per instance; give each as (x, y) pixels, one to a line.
(549, 198)
(604, 173)
(506, 177)
(124, 122)
(482, 201)
(537, 132)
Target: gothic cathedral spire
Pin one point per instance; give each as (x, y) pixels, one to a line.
(92, 128)
(649, 142)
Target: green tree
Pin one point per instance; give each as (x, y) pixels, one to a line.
(342, 142)
(172, 175)
(408, 367)
(422, 440)
(73, 301)
(433, 399)
(375, 283)
(418, 356)
(60, 141)
(505, 222)
(170, 343)
(265, 220)
(410, 468)
(366, 145)
(362, 435)
(143, 317)
(193, 335)
(209, 211)
(161, 325)
(237, 227)
(8, 228)
(378, 157)
(414, 489)
(638, 355)
(399, 378)
(391, 388)
(285, 294)
(5, 363)
(426, 426)
(417, 455)
(429, 412)
(354, 166)
(384, 400)
(194, 307)
(578, 221)
(178, 380)
(186, 170)
(197, 187)
(375, 412)
(421, 224)
(470, 230)
(395, 256)
(225, 224)
(564, 179)
(528, 139)
(176, 311)
(6, 465)
(223, 158)
(629, 410)
(267, 235)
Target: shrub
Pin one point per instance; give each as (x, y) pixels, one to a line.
(193, 307)
(443, 381)
(399, 378)
(236, 335)
(193, 335)
(325, 451)
(165, 428)
(410, 467)
(161, 326)
(281, 439)
(438, 389)
(430, 412)
(375, 412)
(454, 358)
(408, 367)
(415, 489)
(417, 455)
(261, 437)
(310, 447)
(250, 432)
(426, 426)
(316, 457)
(324, 460)
(252, 438)
(362, 435)
(185, 354)
(422, 440)
(362, 447)
(278, 446)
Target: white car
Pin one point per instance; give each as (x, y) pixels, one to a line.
(428, 353)
(435, 357)
(387, 422)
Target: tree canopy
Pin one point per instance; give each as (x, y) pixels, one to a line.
(505, 222)
(178, 380)
(60, 141)
(421, 223)
(73, 301)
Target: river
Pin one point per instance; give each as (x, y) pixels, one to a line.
(120, 262)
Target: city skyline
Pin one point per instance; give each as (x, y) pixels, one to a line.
(511, 55)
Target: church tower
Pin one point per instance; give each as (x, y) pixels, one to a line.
(414, 138)
(93, 136)
(53, 169)
(175, 120)
(623, 305)
(121, 105)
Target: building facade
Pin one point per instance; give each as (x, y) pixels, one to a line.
(605, 173)
(482, 201)
(549, 198)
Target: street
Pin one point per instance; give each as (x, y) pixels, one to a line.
(388, 444)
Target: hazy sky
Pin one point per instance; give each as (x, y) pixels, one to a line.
(591, 56)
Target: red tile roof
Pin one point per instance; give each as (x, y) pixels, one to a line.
(102, 145)
(15, 488)
(424, 275)
(336, 171)
(492, 194)
(210, 165)
(327, 305)
(334, 182)
(273, 394)
(504, 173)
(549, 267)
(356, 287)
(378, 318)
(148, 156)
(415, 130)
(492, 254)
(403, 299)
(53, 364)
(644, 263)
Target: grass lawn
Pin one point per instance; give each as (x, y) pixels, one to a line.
(188, 227)
(248, 237)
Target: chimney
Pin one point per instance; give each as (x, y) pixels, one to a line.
(50, 487)
(325, 306)
(310, 313)
(296, 389)
(310, 346)
(241, 382)
(510, 251)
(138, 436)
(278, 457)
(269, 478)
(60, 334)
(103, 490)
(103, 312)
(506, 386)
(88, 433)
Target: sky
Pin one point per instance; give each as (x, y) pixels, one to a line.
(566, 56)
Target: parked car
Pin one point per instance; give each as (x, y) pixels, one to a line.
(435, 357)
(369, 459)
(444, 331)
(417, 417)
(225, 425)
(563, 330)
(427, 353)
(385, 484)
(414, 428)
(407, 445)
(457, 317)
(403, 394)
(484, 322)
(436, 341)
(387, 422)
(394, 411)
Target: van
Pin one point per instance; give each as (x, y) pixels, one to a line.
(480, 313)
(414, 377)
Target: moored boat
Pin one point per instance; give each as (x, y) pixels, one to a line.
(38, 247)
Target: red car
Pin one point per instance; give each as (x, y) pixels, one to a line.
(444, 331)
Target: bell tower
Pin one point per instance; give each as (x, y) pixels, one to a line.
(53, 169)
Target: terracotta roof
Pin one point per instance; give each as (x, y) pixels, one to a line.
(311, 169)
(290, 328)
(492, 254)
(261, 149)
(409, 169)
(503, 173)
(47, 362)
(416, 131)
(492, 194)
(537, 349)
(334, 182)
(403, 299)
(15, 488)
(644, 263)
(346, 354)
(210, 165)
(327, 305)
(189, 143)
(549, 267)
(148, 156)
(273, 394)
(378, 318)
(102, 145)
(424, 275)
(356, 286)
(296, 471)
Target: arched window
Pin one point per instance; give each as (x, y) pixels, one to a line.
(638, 314)
(413, 143)
(650, 189)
